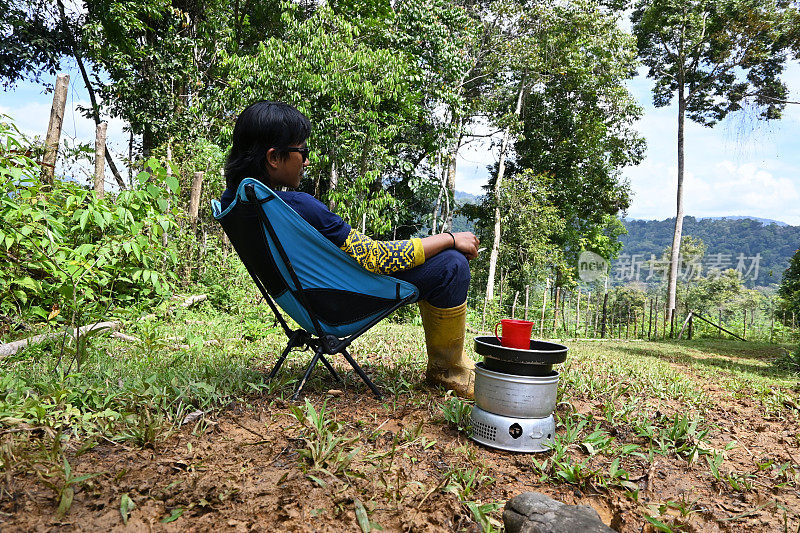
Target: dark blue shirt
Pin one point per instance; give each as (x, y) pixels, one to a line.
(312, 210)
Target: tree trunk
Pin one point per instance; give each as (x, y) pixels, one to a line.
(501, 168)
(451, 186)
(676, 236)
(333, 185)
(99, 159)
(54, 128)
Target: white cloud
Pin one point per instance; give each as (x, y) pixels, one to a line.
(742, 166)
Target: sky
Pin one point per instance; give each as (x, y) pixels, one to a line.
(741, 167)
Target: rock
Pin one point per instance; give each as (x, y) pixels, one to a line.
(532, 512)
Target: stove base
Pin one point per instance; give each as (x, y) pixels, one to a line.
(528, 435)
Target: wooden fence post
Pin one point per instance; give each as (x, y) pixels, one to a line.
(544, 308)
(555, 310)
(603, 326)
(514, 305)
(655, 321)
(578, 313)
(744, 325)
(588, 319)
(194, 198)
(54, 129)
(527, 291)
(100, 159)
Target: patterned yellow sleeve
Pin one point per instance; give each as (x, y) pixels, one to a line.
(384, 257)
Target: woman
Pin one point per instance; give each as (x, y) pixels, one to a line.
(269, 144)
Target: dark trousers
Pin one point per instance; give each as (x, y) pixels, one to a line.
(442, 280)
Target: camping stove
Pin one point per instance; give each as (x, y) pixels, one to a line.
(515, 394)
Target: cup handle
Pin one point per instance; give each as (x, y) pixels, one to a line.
(495, 332)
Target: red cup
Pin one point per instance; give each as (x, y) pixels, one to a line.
(516, 333)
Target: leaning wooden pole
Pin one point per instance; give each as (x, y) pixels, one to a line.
(54, 129)
(718, 327)
(100, 159)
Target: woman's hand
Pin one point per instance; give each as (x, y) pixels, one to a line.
(463, 241)
(467, 243)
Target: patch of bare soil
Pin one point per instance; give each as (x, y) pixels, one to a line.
(245, 472)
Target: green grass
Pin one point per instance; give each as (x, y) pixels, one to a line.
(647, 400)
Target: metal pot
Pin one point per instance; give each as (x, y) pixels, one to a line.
(538, 360)
(515, 396)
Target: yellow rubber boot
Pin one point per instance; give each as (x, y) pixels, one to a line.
(448, 365)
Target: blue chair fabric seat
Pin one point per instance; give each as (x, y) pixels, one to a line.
(332, 298)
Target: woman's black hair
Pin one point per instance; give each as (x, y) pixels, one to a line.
(261, 126)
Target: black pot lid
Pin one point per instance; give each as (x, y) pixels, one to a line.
(540, 352)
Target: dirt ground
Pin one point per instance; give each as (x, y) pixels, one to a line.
(242, 470)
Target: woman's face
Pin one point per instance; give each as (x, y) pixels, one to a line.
(289, 171)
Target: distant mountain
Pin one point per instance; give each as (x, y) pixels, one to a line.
(765, 221)
(733, 237)
(466, 198)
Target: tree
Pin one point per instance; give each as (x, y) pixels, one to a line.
(714, 55)
(567, 70)
(34, 40)
(359, 98)
(529, 220)
(790, 286)
(578, 125)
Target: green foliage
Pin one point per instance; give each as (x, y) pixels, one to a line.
(577, 124)
(359, 96)
(63, 482)
(32, 45)
(326, 449)
(62, 248)
(790, 285)
(457, 413)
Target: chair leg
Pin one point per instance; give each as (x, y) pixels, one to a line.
(282, 358)
(311, 365)
(361, 374)
(330, 369)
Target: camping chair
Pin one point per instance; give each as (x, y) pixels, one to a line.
(333, 298)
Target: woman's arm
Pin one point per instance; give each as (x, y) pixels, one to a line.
(386, 257)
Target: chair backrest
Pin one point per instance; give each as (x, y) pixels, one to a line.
(321, 287)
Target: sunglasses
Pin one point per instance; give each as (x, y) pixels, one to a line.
(302, 151)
